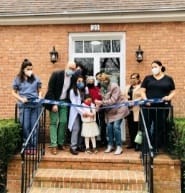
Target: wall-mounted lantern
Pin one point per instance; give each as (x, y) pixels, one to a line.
(139, 54)
(53, 55)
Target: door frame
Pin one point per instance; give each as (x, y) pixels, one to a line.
(100, 36)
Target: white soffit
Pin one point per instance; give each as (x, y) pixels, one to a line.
(92, 18)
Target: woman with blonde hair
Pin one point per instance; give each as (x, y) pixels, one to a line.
(112, 95)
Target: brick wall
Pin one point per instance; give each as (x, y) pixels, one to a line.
(14, 175)
(167, 176)
(164, 41)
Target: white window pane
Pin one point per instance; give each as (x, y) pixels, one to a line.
(78, 46)
(88, 63)
(87, 47)
(112, 67)
(115, 45)
(97, 46)
(106, 46)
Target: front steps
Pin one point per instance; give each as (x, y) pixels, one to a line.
(93, 173)
(96, 173)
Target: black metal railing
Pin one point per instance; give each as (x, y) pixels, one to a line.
(31, 156)
(155, 124)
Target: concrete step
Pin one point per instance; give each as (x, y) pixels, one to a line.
(90, 179)
(70, 190)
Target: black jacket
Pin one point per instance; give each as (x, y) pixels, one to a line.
(55, 87)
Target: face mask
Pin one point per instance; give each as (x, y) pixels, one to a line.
(69, 72)
(28, 73)
(104, 84)
(155, 71)
(80, 85)
(88, 103)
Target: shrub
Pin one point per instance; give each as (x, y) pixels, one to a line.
(10, 140)
(178, 136)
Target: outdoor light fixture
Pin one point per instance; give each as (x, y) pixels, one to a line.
(139, 54)
(53, 55)
(95, 43)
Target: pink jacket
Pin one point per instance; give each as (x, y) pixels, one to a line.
(111, 97)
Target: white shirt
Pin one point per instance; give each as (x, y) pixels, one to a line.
(67, 81)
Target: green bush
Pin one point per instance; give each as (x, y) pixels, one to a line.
(179, 138)
(178, 134)
(10, 140)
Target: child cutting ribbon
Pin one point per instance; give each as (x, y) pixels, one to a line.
(89, 126)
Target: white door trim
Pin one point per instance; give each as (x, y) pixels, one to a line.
(100, 36)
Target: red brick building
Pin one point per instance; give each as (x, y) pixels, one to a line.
(30, 29)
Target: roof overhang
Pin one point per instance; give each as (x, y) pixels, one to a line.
(86, 18)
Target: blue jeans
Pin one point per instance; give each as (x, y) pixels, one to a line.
(28, 115)
(114, 132)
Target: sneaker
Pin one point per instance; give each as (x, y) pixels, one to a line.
(95, 150)
(88, 151)
(109, 149)
(119, 150)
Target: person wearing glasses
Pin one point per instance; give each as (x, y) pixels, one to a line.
(133, 93)
(58, 89)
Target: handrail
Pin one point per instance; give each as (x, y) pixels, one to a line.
(147, 155)
(30, 158)
(148, 151)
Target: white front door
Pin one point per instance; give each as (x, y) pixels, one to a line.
(100, 52)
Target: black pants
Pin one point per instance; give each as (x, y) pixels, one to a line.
(100, 118)
(156, 123)
(132, 128)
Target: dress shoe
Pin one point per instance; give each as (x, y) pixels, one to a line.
(118, 151)
(94, 150)
(137, 147)
(60, 147)
(109, 149)
(73, 151)
(130, 147)
(81, 149)
(54, 150)
(156, 151)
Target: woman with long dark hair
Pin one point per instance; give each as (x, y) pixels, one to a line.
(27, 87)
(76, 96)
